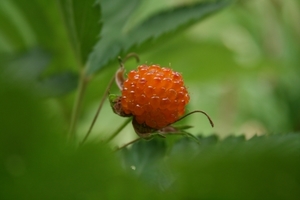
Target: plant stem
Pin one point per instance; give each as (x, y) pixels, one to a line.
(127, 144)
(77, 105)
(98, 110)
(118, 130)
(103, 99)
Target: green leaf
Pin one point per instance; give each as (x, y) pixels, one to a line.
(220, 169)
(58, 84)
(115, 40)
(144, 153)
(36, 24)
(27, 66)
(144, 160)
(82, 22)
(262, 167)
(115, 14)
(14, 30)
(171, 20)
(37, 163)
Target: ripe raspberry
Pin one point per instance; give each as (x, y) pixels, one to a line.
(155, 96)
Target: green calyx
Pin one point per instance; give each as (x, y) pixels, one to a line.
(115, 103)
(113, 98)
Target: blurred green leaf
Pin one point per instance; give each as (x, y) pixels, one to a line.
(144, 160)
(58, 84)
(27, 66)
(190, 147)
(144, 154)
(82, 19)
(114, 39)
(37, 163)
(263, 167)
(28, 69)
(34, 15)
(36, 24)
(10, 23)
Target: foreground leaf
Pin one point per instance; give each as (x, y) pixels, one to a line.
(233, 168)
(263, 167)
(37, 163)
(144, 160)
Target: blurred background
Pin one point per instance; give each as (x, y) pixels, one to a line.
(241, 65)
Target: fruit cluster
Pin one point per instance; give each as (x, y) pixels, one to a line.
(154, 96)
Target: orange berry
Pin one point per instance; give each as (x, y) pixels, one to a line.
(155, 96)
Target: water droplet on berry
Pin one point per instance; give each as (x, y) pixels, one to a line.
(142, 99)
(167, 83)
(180, 95)
(165, 102)
(154, 68)
(187, 97)
(155, 101)
(132, 85)
(123, 99)
(160, 91)
(149, 91)
(142, 81)
(176, 76)
(177, 84)
(125, 88)
(131, 74)
(160, 74)
(131, 106)
(138, 110)
(131, 94)
(143, 68)
(172, 94)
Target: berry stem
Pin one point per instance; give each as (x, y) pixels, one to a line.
(118, 130)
